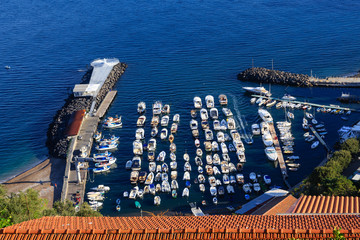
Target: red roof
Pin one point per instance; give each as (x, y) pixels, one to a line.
(327, 204)
(276, 205)
(185, 227)
(75, 123)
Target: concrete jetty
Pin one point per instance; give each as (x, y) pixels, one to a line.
(321, 140)
(105, 104)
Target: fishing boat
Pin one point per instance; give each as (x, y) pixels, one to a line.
(141, 121)
(166, 109)
(209, 135)
(141, 107)
(161, 156)
(176, 118)
(174, 128)
(193, 124)
(140, 134)
(210, 103)
(164, 121)
(163, 133)
(157, 108)
(185, 192)
(155, 121)
(223, 99)
(258, 91)
(137, 147)
(197, 102)
(265, 115)
(157, 200)
(271, 153)
(255, 128)
(204, 114)
(246, 188)
(315, 144)
(111, 122)
(104, 146)
(257, 187)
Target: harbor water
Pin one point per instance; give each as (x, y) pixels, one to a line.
(175, 51)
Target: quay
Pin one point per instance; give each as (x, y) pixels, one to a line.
(282, 164)
(321, 140)
(307, 103)
(77, 172)
(335, 82)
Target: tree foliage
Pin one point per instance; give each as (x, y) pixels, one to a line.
(352, 145)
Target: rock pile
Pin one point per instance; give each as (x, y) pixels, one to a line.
(57, 142)
(265, 75)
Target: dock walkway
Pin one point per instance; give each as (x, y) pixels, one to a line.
(282, 164)
(105, 104)
(321, 140)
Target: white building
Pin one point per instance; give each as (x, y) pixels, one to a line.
(349, 132)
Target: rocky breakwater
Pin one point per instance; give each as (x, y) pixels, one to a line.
(57, 141)
(265, 75)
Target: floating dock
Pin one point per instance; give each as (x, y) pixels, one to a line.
(321, 140)
(282, 164)
(109, 98)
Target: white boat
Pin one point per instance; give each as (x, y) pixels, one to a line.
(164, 121)
(209, 135)
(310, 138)
(309, 115)
(255, 128)
(210, 103)
(226, 179)
(186, 176)
(315, 144)
(214, 114)
(165, 187)
(197, 102)
(208, 146)
(253, 100)
(174, 184)
(246, 188)
(187, 167)
(157, 108)
(204, 114)
(128, 164)
(141, 107)
(257, 187)
(270, 104)
(185, 192)
(258, 91)
(223, 148)
(227, 112)
(161, 156)
(163, 133)
(240, 178)
(223, 99)
(111, 122)
(288, 97)
(230, 189)
(216, 159)
(155, 121)
(103, 146)
(267, 179)
(213, 191)
(201, 178)
(217, 125)
(101, 188)
(231, 123)
(154, 131)
(253, 177)
(174, 127)
(97, 136)
(202, 187)
(199, 152)
(140, 134)
(314, 121)
(157, 200)
(152, 167)
(141, 121)
(215, 200)
(265, 115)
(186, 157)
(102, 155)
(241, 156)
(109, 162)
(166, 109)
(200, 170)
(216, 170)
(136, 163)
(193, 124)
(176, 118)
(152, 145)
(290, 115)
(137, 147)
(223, 125)
(215, 146)
(271, 153)
(267, 139)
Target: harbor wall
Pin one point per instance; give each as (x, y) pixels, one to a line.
(57, 141)
(264, 75)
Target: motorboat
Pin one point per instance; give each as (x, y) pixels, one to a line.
(271, 103)
(152, 166)
(187, 167)
(257, 187)
(264, 127)
(200, 170)
(265, 115)
(112, 122)
(253, 177)
(141, 121)
(193, 113)
(223, 148)
(267, 179)
(97, 136)
(231, 123)
(173, 165)
(163, 133)
(223, 125)
(137, 147)
(202, 187)
(210, 103)
(223, 99)
(240, 178)
(128, 164)
(221, 190)
(186, 157)
(309, 115)
(288, 97)
(134, 177)
(154, 131)
(155, 121)
(174, 184)
(226, 179)
(165, 187)
(164, 121)
(227, 112)
(293, 165)
(176, 118)
(246, 188)
(208, 146)
(172, 147)
(164, 176)
(164, 167)
(213, 191)
(267, 139)
(204, 114)
(199, 152)
(255, 128)
(161, 156)
(293, 158)
(216, 170)
(253, 100)
(315, 144)
(185, 192)
(209, 135)
(198, 161)
(109, 162)
(216, 125)
(209, 159)
(140, 134)
(235, 135)
(215, 146)
(226, 157)
(157, 200)
(214, 114)
(157, 108)
(166, 109)
(158, 188)
(141, 107)
(174, 127)
(241, 156)
(152, 145)
(158, 176)
(224, 167)
(102, 155)
(290, 115)
(142, 176)
(216, 159)
(258, 91)
(201, 178)
(173, 156)
(103, 146)
(193, 124)
(136, 163)
(232, 168)
(204, 125)
(186, 176)
(271, 153)
(101, 188)
(197, 102)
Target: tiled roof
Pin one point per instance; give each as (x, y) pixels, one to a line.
(276, 206)
(185, 227)
(327, 204)
(75, 123)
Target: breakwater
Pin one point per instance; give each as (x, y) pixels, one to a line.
(264, 75)
(57, 142)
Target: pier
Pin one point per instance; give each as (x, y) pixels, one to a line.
(321, 140)
(282, 164)
(105, 104)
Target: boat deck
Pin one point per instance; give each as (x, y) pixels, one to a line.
(105, 104)
(277, 146)
(321, 140)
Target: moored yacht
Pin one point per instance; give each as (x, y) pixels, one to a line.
(204, 114)
(157, 108)
(271, 153)
(214, 114)
(265, 115)
(223, 99)
(209, 101)
(197, 102)
(258, 91)
(255, 129)
(141, 107)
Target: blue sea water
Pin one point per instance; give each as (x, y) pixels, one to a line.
(175, 50)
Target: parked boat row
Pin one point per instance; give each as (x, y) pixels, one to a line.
(96, 196)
